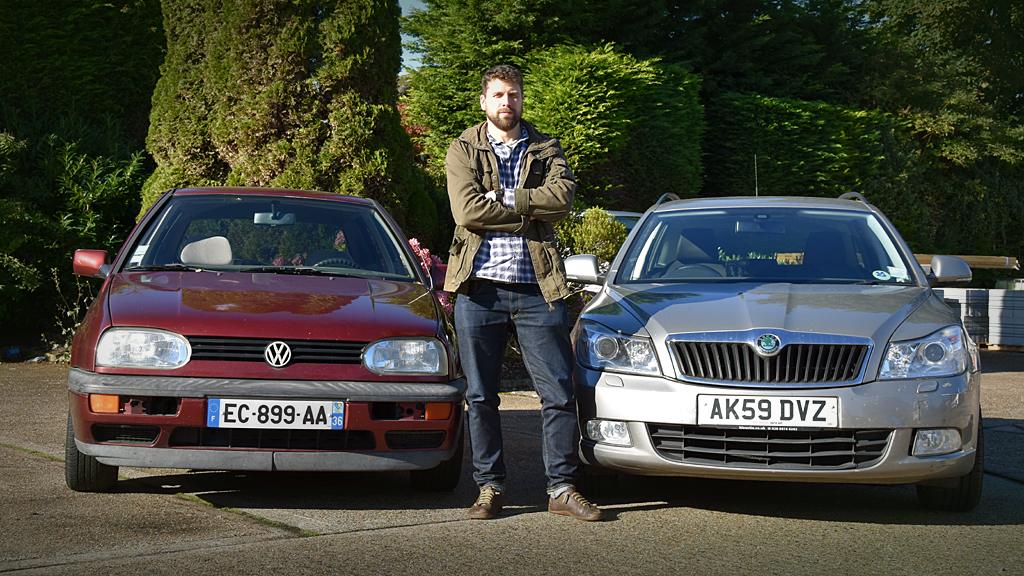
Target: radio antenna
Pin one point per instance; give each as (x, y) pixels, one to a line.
(755, 175)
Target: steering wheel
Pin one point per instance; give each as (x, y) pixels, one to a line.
(336, 260)
(683, 271)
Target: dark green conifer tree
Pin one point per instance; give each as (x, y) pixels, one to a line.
(295, 94)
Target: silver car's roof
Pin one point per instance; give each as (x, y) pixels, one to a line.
(716, 203)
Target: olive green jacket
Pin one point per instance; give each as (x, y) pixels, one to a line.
(545, 197)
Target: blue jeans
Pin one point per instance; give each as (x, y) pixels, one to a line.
(481, 320)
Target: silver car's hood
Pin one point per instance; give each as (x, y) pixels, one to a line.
(859, 311)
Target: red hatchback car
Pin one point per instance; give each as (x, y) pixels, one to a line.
(261, 329)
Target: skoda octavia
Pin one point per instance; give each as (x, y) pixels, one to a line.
(778, 339)
(261, 329)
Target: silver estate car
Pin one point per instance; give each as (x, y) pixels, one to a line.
(778, 338)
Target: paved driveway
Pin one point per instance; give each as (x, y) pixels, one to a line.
(180, 522)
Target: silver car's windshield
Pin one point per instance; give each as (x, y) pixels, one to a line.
(764, 245)
(274, 235)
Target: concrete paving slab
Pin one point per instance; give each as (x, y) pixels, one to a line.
(665, 527)
(34, 406)
(45, 524)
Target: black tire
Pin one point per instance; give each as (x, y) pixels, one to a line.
(445, 476)
(84, 473)
(965, 492)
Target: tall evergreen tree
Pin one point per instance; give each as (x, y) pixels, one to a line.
(296, 94)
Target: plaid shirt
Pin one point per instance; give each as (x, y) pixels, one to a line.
(503, 256)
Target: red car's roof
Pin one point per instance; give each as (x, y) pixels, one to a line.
(248, 191)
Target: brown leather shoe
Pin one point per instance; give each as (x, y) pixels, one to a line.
(488, 504)
(572, 503)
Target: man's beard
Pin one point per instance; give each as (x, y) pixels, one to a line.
(505, 123)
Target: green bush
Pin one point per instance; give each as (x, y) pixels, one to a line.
(802, 148)
(631, 128)
(593, 232)
(56, 199)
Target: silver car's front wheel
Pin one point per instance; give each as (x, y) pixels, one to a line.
(964, 493)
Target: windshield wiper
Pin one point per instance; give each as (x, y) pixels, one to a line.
(296, 270)
(173, 267)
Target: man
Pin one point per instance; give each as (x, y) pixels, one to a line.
(507, 184)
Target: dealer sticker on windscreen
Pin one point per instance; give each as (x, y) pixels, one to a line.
(768, 411)
(260, 413)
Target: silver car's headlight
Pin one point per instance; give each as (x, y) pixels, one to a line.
(423, 356)
(942, 353)
(601, 348)
(142, 348)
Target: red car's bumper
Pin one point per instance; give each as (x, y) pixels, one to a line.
(161, 423)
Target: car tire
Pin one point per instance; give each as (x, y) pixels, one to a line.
(84, 473)
(965, 492)
(445, 476)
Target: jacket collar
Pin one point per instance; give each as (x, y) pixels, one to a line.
(476, 136)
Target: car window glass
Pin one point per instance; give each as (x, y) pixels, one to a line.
(771, 245)
(245, 233)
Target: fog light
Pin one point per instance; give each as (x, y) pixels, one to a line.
(105, 403)
(438, 410)
(936, 441)
(608, 432)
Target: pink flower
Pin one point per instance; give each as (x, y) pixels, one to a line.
(279, 261)
(428, 261)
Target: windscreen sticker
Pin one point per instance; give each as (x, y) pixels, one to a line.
(140, 252)
(881, 275)
(900, 274)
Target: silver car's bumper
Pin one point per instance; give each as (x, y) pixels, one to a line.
(899, 406)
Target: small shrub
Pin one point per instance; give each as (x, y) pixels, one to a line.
(595, 232)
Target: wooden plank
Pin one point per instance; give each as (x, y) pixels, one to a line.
(990, 262)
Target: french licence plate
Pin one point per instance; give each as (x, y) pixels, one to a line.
(768, 411)
(258, 413)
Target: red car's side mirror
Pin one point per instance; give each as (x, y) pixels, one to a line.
(91, 263)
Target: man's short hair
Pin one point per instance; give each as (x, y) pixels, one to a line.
(505, 72)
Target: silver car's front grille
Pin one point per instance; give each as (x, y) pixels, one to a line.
(775, 449)
(795, 363)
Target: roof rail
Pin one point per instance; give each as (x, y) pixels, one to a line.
(854, 196)
(665, 198)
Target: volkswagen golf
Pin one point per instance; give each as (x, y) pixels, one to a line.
(263, 329)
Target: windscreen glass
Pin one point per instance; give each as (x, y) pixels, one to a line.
(764, 245)
(264, 234)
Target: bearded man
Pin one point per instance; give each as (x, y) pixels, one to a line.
(508, 184)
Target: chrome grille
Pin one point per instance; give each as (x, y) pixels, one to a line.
(251, 350)
(777, 449)
(795, 363)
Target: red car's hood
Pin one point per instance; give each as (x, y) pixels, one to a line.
(272, 305)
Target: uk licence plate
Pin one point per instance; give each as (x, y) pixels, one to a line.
(768, 411)
(260, 413)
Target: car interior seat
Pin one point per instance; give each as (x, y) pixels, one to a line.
(212, 251)
(826, 255)
(693, 259)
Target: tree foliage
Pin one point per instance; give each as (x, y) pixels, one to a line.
(300, 95)
(630, 128)
(76, 80)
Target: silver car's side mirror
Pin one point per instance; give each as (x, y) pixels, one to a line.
(949, 270)
(582, 268)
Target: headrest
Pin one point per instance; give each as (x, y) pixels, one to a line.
(212, 251)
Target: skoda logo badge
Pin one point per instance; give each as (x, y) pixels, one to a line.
(277, 354)
(768, 344)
